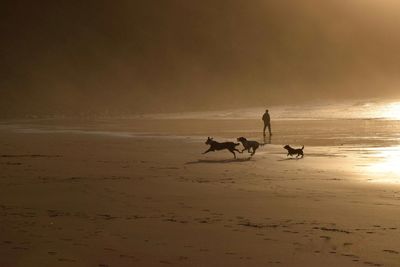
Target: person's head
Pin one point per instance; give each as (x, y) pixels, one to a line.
(266, 110)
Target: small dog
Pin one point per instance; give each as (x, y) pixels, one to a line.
(292, 151)
(214, 145)
(249, 145)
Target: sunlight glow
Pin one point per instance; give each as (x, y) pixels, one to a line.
(386, 165)
(391, 111)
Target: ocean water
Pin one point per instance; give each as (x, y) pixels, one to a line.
(359, 123)
(372, 109)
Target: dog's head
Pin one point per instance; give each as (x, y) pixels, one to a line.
(209, 140)
(287, 147)
(241, 139)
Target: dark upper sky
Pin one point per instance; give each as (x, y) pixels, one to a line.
(165, 55)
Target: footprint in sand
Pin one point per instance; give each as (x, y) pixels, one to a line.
(350, 255)
(390, 251)
(325, 237)
(127, 256)
(372, 263)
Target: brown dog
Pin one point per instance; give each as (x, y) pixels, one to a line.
(250, 146)
(293, 151)
(214, 145)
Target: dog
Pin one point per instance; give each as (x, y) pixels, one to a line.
(249, 145)
(214, 145)
(292, 151)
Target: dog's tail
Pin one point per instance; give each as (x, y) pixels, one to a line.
(263, 144)
(302, 147)
(236, 144)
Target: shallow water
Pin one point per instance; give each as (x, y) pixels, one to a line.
(365, 109)
(365, 135)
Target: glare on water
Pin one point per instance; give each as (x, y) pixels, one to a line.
(391, 111)
(384, 165)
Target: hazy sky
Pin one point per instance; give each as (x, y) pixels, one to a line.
(167, 55)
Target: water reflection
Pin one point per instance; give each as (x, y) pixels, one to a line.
(383, 164)
(390, 111)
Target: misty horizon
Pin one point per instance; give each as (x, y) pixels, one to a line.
(135, 57)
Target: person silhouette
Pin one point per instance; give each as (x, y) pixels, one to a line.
(267, 122)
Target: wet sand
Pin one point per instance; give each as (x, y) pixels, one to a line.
(73, 199)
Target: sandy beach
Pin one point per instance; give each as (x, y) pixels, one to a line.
(118, 194)
(108, 107)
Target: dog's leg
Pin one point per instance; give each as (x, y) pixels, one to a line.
(234, 155)
(254, 151)
(208, 150)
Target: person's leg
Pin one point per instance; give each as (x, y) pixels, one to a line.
(265, 126)
(269, 129)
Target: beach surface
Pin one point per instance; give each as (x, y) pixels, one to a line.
(140, 193)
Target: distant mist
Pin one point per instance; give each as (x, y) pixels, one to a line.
(126, 57)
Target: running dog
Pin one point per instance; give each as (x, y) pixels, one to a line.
(292, 151)
(214, 145)
(249, 145)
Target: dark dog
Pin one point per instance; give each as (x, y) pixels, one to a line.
(214, 145)
(292, 151)
(250, 146)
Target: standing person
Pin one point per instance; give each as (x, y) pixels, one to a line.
(267, 122)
